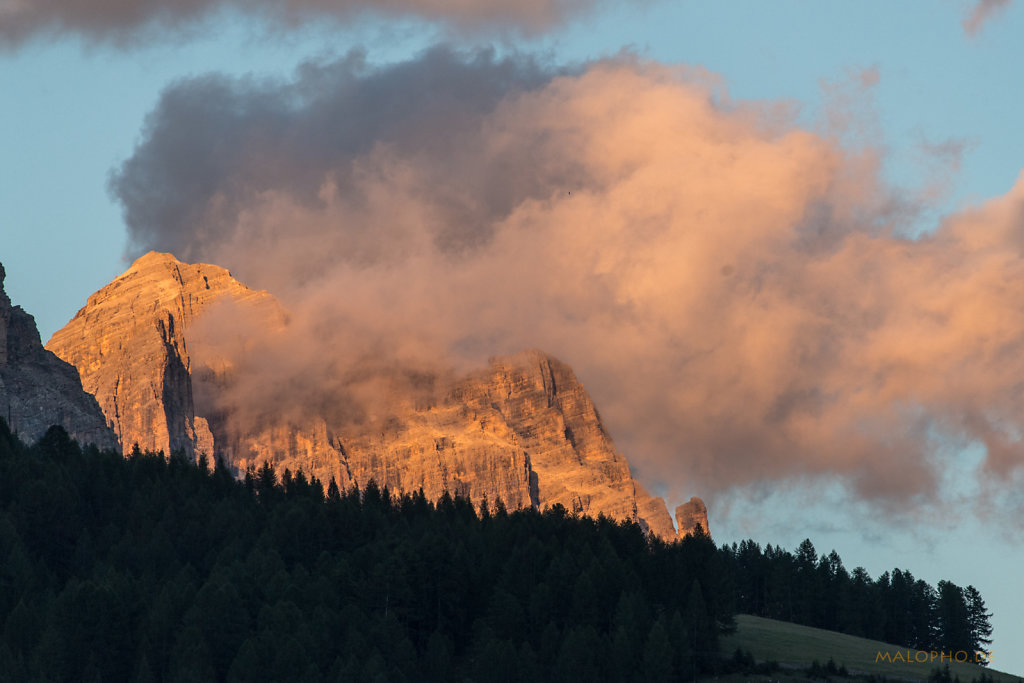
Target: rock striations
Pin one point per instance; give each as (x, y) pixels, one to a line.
(572, 458)
(524, 429)
(37, 389)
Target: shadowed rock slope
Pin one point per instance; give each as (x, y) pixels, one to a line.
(37, 389)
(524, 429)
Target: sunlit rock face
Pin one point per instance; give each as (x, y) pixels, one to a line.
(554, 421)
(129, 345)
(439, 449)
(523, 430)
(37, 389)
(690, 514)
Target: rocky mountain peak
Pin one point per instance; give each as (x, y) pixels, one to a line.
(129, 343)
(523, 429)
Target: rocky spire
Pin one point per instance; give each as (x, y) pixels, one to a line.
(690, 514)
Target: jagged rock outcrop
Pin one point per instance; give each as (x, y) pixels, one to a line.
(554, 420)
(438, 449)
(37, 389)
(128, 343)
(524, 429)
(690, 514)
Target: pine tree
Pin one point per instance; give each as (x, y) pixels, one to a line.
(978, 620)
(266, 481)
(925, 628)
(657, 666)
(333, 493)
(437, 659)
(951, 620)
(696, 622)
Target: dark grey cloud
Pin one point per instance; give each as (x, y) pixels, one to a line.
(130, 21)
(214, 145)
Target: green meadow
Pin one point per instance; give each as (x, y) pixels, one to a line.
(795, 647)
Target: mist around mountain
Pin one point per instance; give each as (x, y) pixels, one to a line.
(184, 358)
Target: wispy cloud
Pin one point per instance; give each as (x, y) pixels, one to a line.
(981, 13)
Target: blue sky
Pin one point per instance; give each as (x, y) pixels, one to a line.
(72, 109)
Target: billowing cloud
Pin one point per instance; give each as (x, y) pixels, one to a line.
(127, 21)
(980, 13)
(734, 291)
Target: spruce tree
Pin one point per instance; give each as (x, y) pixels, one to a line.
(978, 621)
(951, 622)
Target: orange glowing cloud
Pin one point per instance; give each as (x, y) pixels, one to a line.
(733, 290)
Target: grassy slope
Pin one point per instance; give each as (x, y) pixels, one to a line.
(800, 645)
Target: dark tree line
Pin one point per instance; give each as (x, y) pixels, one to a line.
(819, 591)
(149, 568)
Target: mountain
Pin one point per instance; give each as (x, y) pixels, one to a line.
(37, 389)
(129, 347)
(523, 429)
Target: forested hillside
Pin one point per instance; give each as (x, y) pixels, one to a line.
(150, 568)
(819, 591)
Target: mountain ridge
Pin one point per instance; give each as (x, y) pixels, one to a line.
(523, 429)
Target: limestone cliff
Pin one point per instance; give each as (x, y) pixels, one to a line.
(37, 389)
(555, 422)
(128, 343)
(690, 514)
(524, 429)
